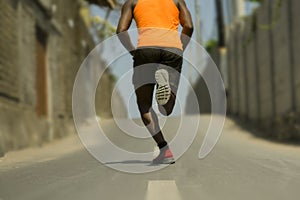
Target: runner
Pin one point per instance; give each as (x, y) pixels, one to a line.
(160, 48)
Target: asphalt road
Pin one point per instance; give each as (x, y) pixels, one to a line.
(240, 167)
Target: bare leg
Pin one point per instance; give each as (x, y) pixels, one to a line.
(144, 100)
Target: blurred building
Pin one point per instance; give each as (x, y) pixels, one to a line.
(259, 66)
(264, 71)
(235, 9)
(42, 44)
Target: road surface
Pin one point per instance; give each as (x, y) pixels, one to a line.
(241, 166)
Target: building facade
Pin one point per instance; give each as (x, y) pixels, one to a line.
(42, 44)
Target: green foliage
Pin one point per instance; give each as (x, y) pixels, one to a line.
(286, 127)
(103, 27)
(250, 36)
(209, 45)
(275, 16)
(112, 77)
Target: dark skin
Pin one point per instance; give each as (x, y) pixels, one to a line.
(144, 93)
(127, 16)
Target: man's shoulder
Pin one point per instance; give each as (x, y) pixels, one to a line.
(134, 2)
(177, 2)
(180, 3)
(131, 3)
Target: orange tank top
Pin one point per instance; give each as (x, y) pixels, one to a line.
(157, 21)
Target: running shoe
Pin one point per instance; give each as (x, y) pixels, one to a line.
(165, 157)
(163, 91)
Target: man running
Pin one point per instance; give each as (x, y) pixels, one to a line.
(158, 57)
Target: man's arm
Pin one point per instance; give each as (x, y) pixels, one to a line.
(186, 23)
(124, 24)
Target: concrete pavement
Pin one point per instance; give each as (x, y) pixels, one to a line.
(240, 167)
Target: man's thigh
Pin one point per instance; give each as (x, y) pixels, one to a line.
(144, 96)
(146, 61)
(172, 61)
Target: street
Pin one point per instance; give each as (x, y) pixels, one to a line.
(241, 166)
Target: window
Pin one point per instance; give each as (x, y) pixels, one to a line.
(41, 73)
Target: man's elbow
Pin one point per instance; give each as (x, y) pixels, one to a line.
(189, 27)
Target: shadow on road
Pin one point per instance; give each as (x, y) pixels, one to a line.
(261, 132)
(149, 163)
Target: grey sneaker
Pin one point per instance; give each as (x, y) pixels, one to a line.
(165, 157)
(163, 91)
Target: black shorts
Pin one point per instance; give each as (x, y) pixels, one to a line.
(148, 59)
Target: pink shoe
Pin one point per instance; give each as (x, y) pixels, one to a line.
(165, 157)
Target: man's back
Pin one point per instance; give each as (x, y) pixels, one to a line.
(158, 22)
(167, 14)
(156, 13)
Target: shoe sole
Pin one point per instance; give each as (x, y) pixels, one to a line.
(167, 161)
(163, 91)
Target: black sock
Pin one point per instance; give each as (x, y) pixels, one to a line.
(162, 145)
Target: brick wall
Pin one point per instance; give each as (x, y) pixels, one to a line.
(8, 49)
(67, 44)
(295, 37)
